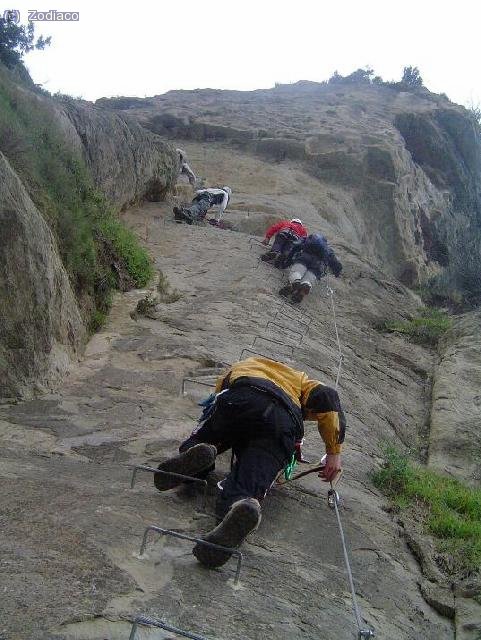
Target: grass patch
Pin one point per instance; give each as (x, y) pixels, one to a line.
(98, 252)
(451, 511)
(135, 258)
(425, 328)
(146, 306)
(166, 294)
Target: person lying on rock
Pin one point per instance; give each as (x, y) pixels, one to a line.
(286, 232)
(258, 412)
(184, 168)
(310, 261)
(204, 199)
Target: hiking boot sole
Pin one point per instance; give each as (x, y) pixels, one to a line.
(178, 216)
(269, 256)
(286, 291)
(243, 517)
(300, 291)
(195, 460)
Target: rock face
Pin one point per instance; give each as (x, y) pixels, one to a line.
(76, 525)
(401, 170)
(455, 436)
(128, 163)
(123, 406)
(41, 328)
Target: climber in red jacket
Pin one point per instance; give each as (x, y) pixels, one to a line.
(287, 232)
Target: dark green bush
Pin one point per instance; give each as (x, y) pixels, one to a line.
(16, 40)
(426, 328)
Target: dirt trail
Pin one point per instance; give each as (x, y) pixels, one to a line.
(69, 564)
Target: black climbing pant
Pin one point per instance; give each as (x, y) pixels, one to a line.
(261, 433)
(199, 207)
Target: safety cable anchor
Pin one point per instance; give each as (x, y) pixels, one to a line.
(333, 498)
(366, 633)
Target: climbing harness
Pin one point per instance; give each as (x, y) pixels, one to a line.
(289, 468)
(316, 468)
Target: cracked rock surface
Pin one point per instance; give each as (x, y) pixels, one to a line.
(72, 527)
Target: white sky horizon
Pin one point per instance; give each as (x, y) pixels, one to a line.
(116, 50)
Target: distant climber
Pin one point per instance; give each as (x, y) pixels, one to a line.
(204, 199)
(310, 261)
(257, 412)
(184, 168)
(287, 232)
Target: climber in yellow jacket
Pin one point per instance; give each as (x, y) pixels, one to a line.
(258, 412)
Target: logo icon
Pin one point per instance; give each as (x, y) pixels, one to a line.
(11, 15)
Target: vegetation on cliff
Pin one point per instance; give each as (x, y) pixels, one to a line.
(449, 510)
(97, 251)
(16, 40)
(425, 328)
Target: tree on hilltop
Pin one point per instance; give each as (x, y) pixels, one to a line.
(17, 40)
(412, 77)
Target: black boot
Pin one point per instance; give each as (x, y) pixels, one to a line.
(178, 217)
(242, 518)
(300, 291)
(199, 458)
(269, 256)
(286, 290)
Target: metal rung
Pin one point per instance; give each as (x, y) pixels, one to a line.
(160, 624)
(257, 353)
(289, 317)
(284, 328)
(365, 634)
(183, 536)
(284, 344)
(295, 309)
(195, 381)
(184, 478)
(207, 371)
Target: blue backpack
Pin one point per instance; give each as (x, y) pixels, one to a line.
(317, 245)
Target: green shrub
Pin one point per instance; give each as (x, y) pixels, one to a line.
(98, 252)
(97, 321)
(425, 328)
(166, 295)
(17, 40)
(450, 511)
(147, 305)
(412, 77)
(136, 259)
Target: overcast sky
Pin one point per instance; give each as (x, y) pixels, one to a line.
(145, 48)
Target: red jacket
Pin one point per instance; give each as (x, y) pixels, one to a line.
(299, 229)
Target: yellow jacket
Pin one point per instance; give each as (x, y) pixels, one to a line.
(305, 398)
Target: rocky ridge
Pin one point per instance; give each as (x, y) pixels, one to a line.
(401, 169)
